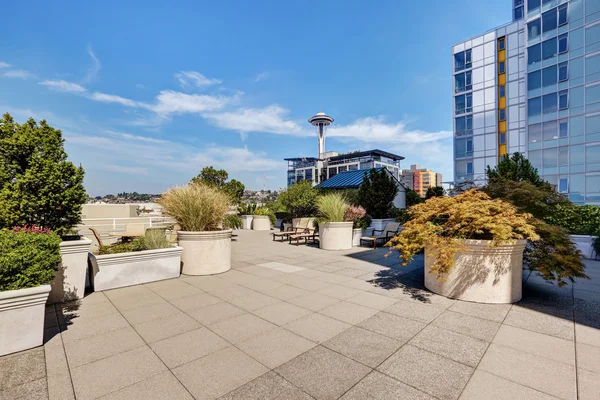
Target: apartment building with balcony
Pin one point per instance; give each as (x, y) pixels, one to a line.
(420, 179)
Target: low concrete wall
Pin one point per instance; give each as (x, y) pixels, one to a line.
(109, 211)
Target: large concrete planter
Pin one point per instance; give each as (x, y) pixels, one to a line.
(482, 274)
(261, 223)
(584, 244)
(379, 224)
(335, 235)
(357, 234)
(205, 253)
(112, 271)
(69, 280)
(247, 221)
(22, 318)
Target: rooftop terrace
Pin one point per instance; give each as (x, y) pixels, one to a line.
(293, 322)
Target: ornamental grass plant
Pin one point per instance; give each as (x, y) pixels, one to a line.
(196, 207)
(443, 223)
(332, 207)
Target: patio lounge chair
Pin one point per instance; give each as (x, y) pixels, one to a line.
(308, 234)
(384, 235)
(302, 226)
(96, 236)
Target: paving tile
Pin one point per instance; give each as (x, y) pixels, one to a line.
(173, 289)
(428, 298)
(278, 266)
(589, 385)
(162, 328)
(493, 312)
(540, 322)
(196, 301)
(309, 284)
(323, 373)
(188, 346)
(83, 327)
(350, 272)
(339, 292)
(317, 327)
(254, 301)
(148, 313)
(372, 300)
(259, 284)
(59, 387)
(91, 309)
(97, 347)
(159, 387)
(357, 284)
(491, 387)
(399, 328)
(229, 293)
(415, 311)
(536, 343)
(275, 347)
(588, 358)
(114, 373)
(455, 346)
(332, 278)
(472, 326)
(587, 334)
(348, 312)
(56, 360)
(285, 292)
(215, 313)
(219, 373)
(313, 301)
(241, 327)
(428, 372)
(364, 346)
(269, 386)
(206, 283)
(19, 368)
(129, 302)
(540, 373)
(281, 313)
(31, 390)
(377, 386)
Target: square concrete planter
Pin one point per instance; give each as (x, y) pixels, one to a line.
(335, 235)
(584, 245)
(357, 234)
(112, 271)
(379, 223)
(247, 221)
(482, 274)
(22, 318)
(69, 280)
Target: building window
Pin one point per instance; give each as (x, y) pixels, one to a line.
(464, 125)
(462, 60)
(549, 49)
(549, 76)
(563, 185)
(464, 103)
(562, 14)
(549, 21)
(502, 115)
(549, 103)
(534, 29)
(534, 80)
(532, 5)
(501, 67)
(563, 128)
(534, 54)
(469, 168)
(563, 71)
(503, 138)
(534, 106)
(502, 91)
(501, 44)
(563, 43)
(518, 14)
(535, 133)
(563, 99)
(463, 82)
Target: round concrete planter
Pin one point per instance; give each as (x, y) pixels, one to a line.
(335, 235)
(584, 244)
(205, 253)
(22, 318)
(482, 274)
(69, 280)
(357, 234)
(261, 223)
(247, 221)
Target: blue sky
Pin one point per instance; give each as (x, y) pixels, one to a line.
(149, 92)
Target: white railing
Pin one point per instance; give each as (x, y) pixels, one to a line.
(106, 226)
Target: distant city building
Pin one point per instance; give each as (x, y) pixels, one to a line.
(420, 179)
(328, 164)
(533, 86)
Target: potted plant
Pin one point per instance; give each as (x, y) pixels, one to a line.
(335, 233)
(205, 237)
(360, 221)
(377, 194)
(149, 258)
(263, 219)
(473, 246)
(246, 211)
(300, 201)
(29, 258)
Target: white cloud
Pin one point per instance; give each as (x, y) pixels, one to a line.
(139, 86)
(63, 86)
(94, 69)
(129, 136)
(262, 76)
(18, 73)
(271, 119)
(4, 65)
(188, 79)
(125, 169)
(171, 102)
(111, 98)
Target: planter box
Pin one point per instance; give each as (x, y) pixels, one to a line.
(584, 244)
(357, 234)
(379, 224)
(335, 235)
(205, 253)
(22, 318)
(482, 274)
(261, 223)
(69, 280)
(111, 271)
(247, 221)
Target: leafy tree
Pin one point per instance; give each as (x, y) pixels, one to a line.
(218, 179)
(235, 190)
(515, 168)
(300, 199)
(434, 191)
(38, 186)
(377, 193)
(412, 198)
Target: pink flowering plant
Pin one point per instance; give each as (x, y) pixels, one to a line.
(31, 229)
(358, 216)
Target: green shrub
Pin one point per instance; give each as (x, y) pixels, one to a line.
(332, 207)
(401, 215)
(232, 221)
(247, 208)
(153, 239)
(300, 200)
(264, 211)
(27, 259)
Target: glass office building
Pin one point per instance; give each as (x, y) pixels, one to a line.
(533, 86)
